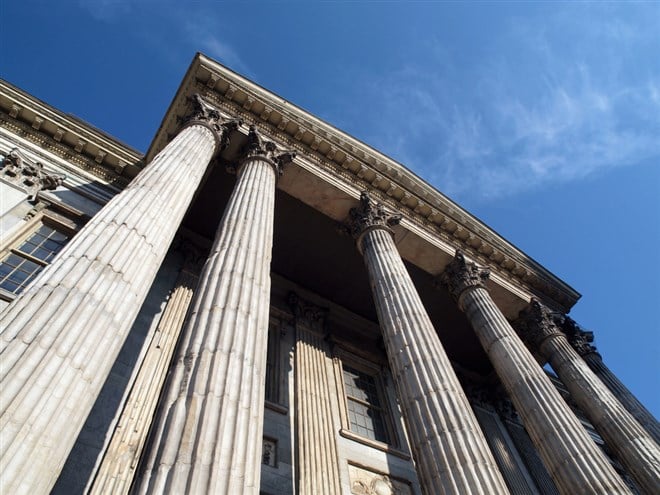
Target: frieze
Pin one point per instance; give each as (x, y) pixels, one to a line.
(46, 142)
(30, 176)
(461, 274)
(341, 166)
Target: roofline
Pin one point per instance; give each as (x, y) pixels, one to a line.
(413, 195)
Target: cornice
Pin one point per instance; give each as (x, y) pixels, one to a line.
(352, 161)
(67, 137)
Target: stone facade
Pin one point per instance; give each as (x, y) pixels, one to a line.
(263, 304)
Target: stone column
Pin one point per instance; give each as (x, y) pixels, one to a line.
(317, 465)
(451, 455)
(61, 336)
(572, 458)
(580, 341)
(208, 432)
(632, 445)
(120, 460)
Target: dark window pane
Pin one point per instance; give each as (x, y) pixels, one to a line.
(9, 285)
(364, 406)
(16, 271)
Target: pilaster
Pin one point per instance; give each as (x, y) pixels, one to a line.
(317, 470)
(119, 464)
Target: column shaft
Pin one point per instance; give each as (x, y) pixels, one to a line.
(570, 455)
(208, 433)
(633, 446)
(451, 455)
(621, 392)
(317, 469)
(61, 337)
(119, 463)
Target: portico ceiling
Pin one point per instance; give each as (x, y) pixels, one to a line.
(331, 170)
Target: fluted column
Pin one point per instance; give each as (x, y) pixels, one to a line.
(572, 458)
(451, 455)
(317, 465)
(61, 337)
(208, 433)
(633, 446)
(580, 341)
(119, 464)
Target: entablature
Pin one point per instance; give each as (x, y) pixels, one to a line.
(67, 137)
(433, 226)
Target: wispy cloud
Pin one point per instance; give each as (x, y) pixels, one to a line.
(201, 31)
(106, 10)
(553, 111)
(174, 27)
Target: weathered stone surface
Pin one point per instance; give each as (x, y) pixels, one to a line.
(632, 445)
(117, 469)
(581, 342)
(208, 432)
(571, 457)
(316, 445)
(60, 338)
(450, 452)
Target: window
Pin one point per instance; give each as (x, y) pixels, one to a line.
(366, 405)
(21, 264)
(273, 364)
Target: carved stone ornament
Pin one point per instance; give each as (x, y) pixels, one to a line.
(29, 176)
(307, 313)
(194, 256)
(366, 482)
(462, 274)
(536, 323)
(209, 116)
(580, 339)
(257, 146)
(368, 216)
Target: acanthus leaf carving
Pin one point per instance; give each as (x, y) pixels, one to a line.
(581, 340)
(536, 323)
(370, 215)
(308, 314)
(209, 116)
(258, 146)
(461, 274)
(30, 176)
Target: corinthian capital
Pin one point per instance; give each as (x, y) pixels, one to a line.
(258, 147)
(370, 215)
(462, 274)
(209, 116)
(536, 323)
(580, 339)
(308, 314)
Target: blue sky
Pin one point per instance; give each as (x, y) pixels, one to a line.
(542, 119)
